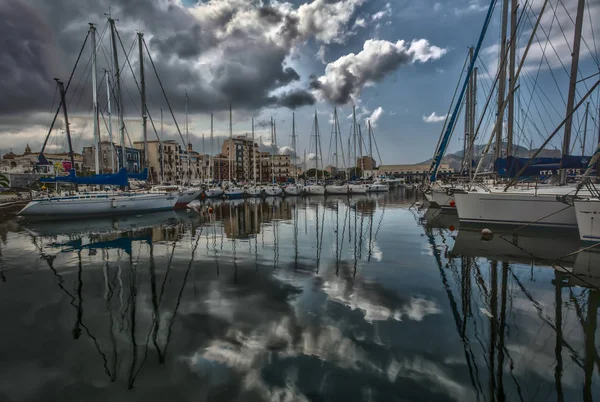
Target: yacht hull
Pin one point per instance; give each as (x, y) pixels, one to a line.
(314, 190)
(514, 209)
(357, 189)
(213, 193)
(293, 190)
(186, 196)
(254, 192)
(272, 191)
(98, 205)
(378, 188)
(336, 189)
(587, 213)
(234, 193)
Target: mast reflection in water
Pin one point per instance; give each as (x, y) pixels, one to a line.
(325, 298)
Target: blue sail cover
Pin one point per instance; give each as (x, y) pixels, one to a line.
(143, 175)
(541, 167)
(117, 179)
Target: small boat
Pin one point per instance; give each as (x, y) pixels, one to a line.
(357, 188)
(314, 189)
(588, 219)
(254, 191)
(213, 192)
(273, 190)
(186, 195)
(377, 186)
(100, 203)
(234, 192)
(337, 189)
(293, 189)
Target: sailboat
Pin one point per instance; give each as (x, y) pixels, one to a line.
(253, 190)
(378, 185)
(231, 189)
(356, 188)
(295, 188)
(213, 191)
(337, 188)
(314, 188)
(94, 203)
(185, 195)
(539, 206)
(273, 189)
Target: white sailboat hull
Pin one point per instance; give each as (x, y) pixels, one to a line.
(587, 213)
(377, 187)
(443, 200)
(514, 209)
(357, 189)
(99, 204)
(314, 189)
(234, 193)
(186, 196)
(335, 189)
(253, 192)
(293, 190)
(213, 192)
(272, 191)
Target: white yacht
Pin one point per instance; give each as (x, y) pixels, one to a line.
(357, 188)
(314, 189)
(234, 192)
(254, 191)
(587, 213)
(213, 192)
(534, 207)
(337, 189)
(100, 203)
(378, 186)
(293, 189)
(185, 195)
(272, 190)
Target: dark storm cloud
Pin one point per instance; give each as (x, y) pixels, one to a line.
(27, 60)
(296, 98)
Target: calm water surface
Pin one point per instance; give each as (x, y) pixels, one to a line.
(300, 299)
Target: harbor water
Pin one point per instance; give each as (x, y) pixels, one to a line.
(367, 298)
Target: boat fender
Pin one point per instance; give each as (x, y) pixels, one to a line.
(452, 203)
(114, 203)
(487, 235)
(210, 210)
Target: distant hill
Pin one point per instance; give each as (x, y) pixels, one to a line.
(455, 159)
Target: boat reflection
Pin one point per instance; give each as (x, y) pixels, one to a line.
(495, 285)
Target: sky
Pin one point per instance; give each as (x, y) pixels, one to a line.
(397, 62)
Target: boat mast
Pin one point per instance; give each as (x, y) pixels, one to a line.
(109, 112)
(511, 78)
(143, 94)
(272, 143)
(501, 81)
(230, 141)
(294, 146)
(360, 141)
(64, 104)
(95, 100)
(572, 84)
(335, 131)
(187, 137)
(119, 95)
(370, 142)
(253, 154)
(354, 137)
(473, 117)
(211, 159)
(162, 148)
(585, 123)
(317, 140)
